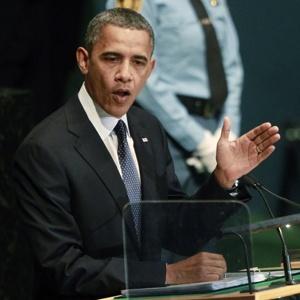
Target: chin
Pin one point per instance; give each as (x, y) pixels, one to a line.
(119, 113)
(123, 110)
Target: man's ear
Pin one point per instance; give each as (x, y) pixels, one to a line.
(82, 57)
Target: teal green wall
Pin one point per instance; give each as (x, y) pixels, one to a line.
(269, 32)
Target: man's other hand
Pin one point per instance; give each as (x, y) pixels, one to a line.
(203, 266)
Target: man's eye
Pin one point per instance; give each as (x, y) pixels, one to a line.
(140, 62)
(111, 58)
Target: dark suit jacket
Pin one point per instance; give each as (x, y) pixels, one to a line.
(71, 199)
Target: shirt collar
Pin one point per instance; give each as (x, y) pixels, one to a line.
(102, 121)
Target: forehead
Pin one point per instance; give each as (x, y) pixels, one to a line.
(114, 38)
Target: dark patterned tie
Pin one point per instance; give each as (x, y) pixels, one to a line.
(129, 173)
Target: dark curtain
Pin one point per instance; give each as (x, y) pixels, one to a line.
(38, 39)
(37, 49)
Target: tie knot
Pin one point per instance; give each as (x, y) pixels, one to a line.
(120, 130)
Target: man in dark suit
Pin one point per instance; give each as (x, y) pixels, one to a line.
(71, 180)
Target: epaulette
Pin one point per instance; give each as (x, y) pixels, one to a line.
(132, 4)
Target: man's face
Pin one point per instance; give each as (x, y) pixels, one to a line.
(117, 67)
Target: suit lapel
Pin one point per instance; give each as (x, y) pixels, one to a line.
(91, 148)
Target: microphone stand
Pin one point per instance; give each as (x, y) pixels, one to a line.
(246, 254)
(285, 255)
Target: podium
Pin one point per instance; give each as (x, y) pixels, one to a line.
(231, 217)
(265, 291)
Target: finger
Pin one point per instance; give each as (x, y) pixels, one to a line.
(268, 142)
(203, 255)
(219, 265)
(266, 135)
(252, 134)
(194, 275)
(210, 277)
(209, 259)
(209, 273)
(217, 261)
(214, 270)
(266, 153)
(225, 129)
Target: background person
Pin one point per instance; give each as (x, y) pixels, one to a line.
(197, 80)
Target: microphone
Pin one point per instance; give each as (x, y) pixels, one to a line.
(252, 182)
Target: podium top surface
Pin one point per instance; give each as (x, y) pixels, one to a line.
(265, 225)
(266, 290)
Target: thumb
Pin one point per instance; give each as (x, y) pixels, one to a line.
(225, 129)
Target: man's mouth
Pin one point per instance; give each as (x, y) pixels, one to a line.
(121, 95)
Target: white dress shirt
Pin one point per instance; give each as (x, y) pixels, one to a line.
(104, 125)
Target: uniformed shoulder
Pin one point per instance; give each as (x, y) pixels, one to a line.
(132, 4)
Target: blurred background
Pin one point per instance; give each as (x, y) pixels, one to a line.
(270, 45)
(38, 72)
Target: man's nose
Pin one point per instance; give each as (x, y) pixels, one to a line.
(124, 72)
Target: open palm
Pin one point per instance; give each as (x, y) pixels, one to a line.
(237, 158)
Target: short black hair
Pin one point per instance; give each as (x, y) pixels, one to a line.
(121, 17)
